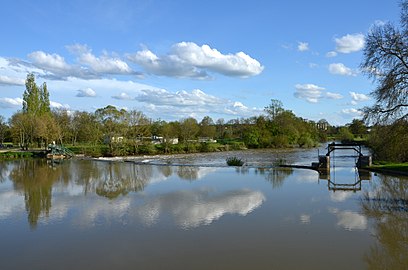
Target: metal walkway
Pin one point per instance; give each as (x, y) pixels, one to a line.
(59, 150)
(347, 146)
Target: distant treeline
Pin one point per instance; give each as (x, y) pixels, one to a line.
(113, 131)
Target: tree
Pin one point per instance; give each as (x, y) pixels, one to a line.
(138, 127)
(188, 129)
(36, 99)
(3, 129)
(386, 62)
(274, 109)
(22, 127)
(357, 127)
(64, 121)
(37, 114)
(113, 122)
(85, 128)
(207, 127)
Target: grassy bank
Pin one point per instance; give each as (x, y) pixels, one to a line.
(390, 168)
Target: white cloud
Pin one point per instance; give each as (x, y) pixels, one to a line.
(48, 61)
(122, 96)
(11, 102)
(103, 64)
(57, 105)
(187, 59)
(87, 92)
(331, 54)
(169, 65)
(7, 80)
(352, 112)
(350, 43)
(356, 97)
(340, 69)
(181, 98)
(310, 92)
(331, 95)
(303, 46)
(183, 103)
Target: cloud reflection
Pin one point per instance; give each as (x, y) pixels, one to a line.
(192, 208)
(349, 220)
(340, 196)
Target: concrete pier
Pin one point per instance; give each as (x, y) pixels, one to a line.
(324, 163)
(364, 161)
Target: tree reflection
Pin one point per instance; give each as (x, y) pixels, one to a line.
(188, 172)
(167, 171)
(120, 179)
(275, 176)
(3, 171)
(35, 178)
(387, 204)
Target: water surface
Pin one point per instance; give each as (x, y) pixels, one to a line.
(84, 214)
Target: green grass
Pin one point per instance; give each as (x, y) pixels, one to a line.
(234, 161)
(400, 167)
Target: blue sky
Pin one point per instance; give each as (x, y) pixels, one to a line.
(173, 59)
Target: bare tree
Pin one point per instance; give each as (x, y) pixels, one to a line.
(386, 62)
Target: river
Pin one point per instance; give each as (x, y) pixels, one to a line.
(194, 212)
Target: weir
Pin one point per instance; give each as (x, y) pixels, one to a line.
(324, 161)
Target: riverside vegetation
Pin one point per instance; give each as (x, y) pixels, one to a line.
(117, 132)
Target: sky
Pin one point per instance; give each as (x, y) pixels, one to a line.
(173, 59)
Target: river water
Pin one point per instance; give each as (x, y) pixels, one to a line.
(194, 212)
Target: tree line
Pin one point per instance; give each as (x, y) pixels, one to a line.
(130, 132)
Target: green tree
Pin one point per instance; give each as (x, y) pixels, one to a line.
(386, 62)
(357, 127)
(138, 127)
(113, 122)
(390, 143)
(3, 129)
(35, 99)
(274, 108)
(345, 134)
(23, 128)
(207, 127)
(86, 128)
(64, 121)
(188, 131)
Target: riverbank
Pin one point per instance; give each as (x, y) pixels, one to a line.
(391, 168)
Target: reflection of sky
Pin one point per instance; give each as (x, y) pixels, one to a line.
(340, 196)
(10, 203)
(349, 220)
(188, 208)
(308, 176)
(191, 208)
(305, 219)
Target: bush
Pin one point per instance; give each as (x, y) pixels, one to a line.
(237, 146)
(147, 149)
(209, 147)
(234, 161)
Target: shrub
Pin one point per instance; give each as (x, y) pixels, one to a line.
(234, 161)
